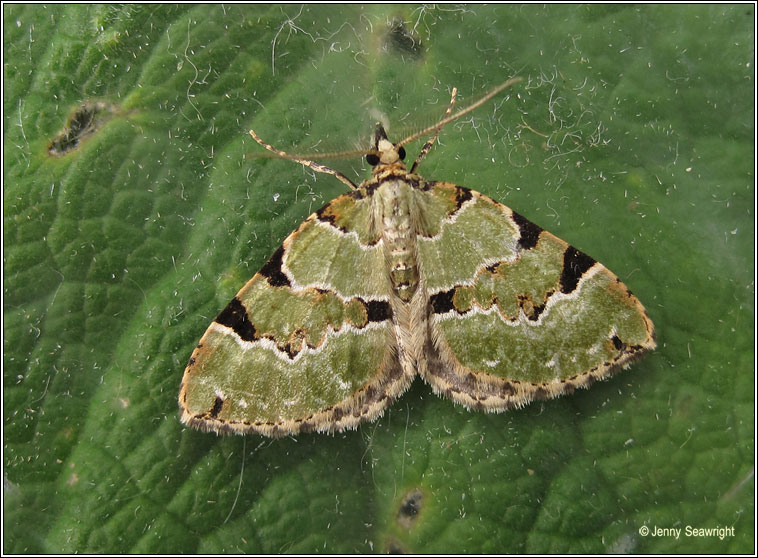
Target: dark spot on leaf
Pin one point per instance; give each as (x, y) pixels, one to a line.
(410, 507)
(86, 119)
(403, 40)
(394, 547)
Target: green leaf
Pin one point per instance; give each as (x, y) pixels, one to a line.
(631, 138)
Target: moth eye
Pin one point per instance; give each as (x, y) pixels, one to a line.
(372, 159)
(401, 153)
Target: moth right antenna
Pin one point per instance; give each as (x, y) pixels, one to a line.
(447, 119)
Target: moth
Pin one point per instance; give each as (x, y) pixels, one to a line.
(404, 277)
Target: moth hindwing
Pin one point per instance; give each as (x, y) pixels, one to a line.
(402, 277)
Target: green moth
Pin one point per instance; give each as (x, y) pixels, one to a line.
(403, 277)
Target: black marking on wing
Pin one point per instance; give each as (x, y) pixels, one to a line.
(327, 218)
(218, 404)
(462, 195)
(618, 343)
(575, 264)
(529, 307)
(235, 317)
(378, 310)
(272, 270)
(538, 309)
(442, 302)
(530, 233)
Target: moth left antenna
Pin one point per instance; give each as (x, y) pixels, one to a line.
(306, 162)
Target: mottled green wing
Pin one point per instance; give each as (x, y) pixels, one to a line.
(516, 313)
(308, 343)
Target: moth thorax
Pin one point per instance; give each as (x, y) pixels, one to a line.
(399, 238)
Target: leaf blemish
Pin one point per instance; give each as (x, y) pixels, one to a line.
(83, 122)
(410, 507)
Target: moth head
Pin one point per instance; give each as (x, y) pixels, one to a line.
(384, 150)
